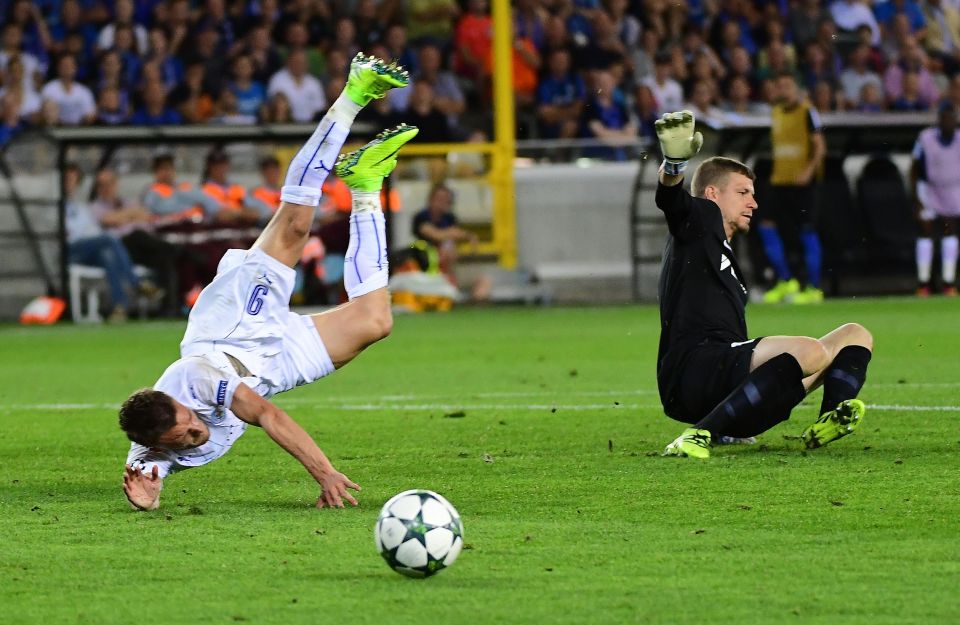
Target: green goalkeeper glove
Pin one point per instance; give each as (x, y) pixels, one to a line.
(678, 141)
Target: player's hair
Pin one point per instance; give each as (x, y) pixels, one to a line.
(162, 160)
(146, 415)
(714, 171)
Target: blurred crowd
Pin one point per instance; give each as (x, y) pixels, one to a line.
(581, 68)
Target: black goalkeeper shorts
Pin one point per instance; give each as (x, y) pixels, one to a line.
(708, 373)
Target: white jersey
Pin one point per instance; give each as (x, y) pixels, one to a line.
(241, 331)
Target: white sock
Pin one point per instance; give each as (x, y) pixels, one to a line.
(949, 249)
(315, 160)
(365, 267)
(924, 259)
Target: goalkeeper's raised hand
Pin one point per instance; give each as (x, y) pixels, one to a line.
(678, 140)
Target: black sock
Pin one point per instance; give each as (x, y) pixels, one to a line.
(763, 400)
(845, 376)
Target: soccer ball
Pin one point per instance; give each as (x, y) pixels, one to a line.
(419, 533)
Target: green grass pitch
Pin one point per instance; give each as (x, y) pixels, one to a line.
(543, 427)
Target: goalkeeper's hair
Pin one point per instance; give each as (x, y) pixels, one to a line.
(714, 172)
(146, 415)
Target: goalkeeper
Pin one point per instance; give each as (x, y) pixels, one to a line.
(710, 374)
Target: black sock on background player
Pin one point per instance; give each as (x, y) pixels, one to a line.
(845, 376)
(763, 400)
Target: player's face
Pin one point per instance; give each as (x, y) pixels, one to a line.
(189, 431)
(736, 202)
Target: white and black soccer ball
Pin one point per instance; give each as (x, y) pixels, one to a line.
(419, 533)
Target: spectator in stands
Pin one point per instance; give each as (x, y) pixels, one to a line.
(912, 60)
(641, 57)
(857, 75)
(775, 61)
(71, 22)
(123, 16)
(12, 47)
(277, 110)
(876, 59)
(125, 46)
(805, 18)
(560, 98)
(155, 111)
(942, 38)
(132, 225)
(249, 93)
(448, 98)
(825, 98)
(431, 20)
(110, 76)
(528, 22)
(473, 41)
(666, 90)
(702, 70)
(816, 68)
(73, 102)
(701, 103)
(604, 50)
(627, 26)
(369, 23)
(799, 150)
(205, 48)
(885, 11)
(605, 117)
(176, 203)
(827, 38)
(10, 123)
(437, 225)
(776, 36)
(265, 197)
(304, 92)
(265, 58)
(911, 99)
(88, 245)
(424, 114)
(645, 109)
(897, 37)
(237, 209)
(110, 108)
(936, 196)
(850, 14)
(526, 66)
(345, 36)
(396, 41)
(871, 99)
(738, 102)
(169, 67)
(27, 102)
(192, 99)
(36, 37)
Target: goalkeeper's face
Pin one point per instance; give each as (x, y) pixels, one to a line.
(736, 201)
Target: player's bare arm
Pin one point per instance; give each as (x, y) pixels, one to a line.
(287, 433)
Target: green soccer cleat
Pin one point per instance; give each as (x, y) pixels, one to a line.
(809, 295)
(834, 424)
(365, 169)
(693, 443)
(370, 78)
(781, 291)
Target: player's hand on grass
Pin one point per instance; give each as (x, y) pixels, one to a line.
(142, 491)
(679, 142)
(334, 487)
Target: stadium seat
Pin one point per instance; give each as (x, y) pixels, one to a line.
(840, 225)
(888, 219)
(85, 284)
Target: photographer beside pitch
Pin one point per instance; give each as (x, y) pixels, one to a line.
(709, 372)
(243, 344)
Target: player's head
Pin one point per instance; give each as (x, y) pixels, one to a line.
(947, 118)
(270, 170)
(787, 89)
(163, 169)
(154, 419)
(729, 184)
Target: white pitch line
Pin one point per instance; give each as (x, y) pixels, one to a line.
(446, 406)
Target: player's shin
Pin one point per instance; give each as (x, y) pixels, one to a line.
(764, 399)
(845, 376)
(365, 267)
(309, 168)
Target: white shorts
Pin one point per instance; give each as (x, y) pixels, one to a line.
(245, 312)
(937, 202)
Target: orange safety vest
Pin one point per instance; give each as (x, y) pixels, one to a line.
(230, 196)
(164, 190)
(267, 195)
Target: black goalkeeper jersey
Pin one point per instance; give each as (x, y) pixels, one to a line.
(702, 295)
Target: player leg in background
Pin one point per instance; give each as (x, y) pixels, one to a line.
(805, 204)
(770, 236)
(924, 253)
(783, 370)
(366, 318)
(286, 234)
(949, 250)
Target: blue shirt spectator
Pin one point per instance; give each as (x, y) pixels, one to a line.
(885, 11)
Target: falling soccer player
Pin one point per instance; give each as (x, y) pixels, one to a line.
(711, 375)
(243, 344)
